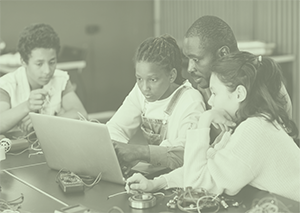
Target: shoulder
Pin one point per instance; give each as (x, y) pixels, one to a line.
(254, 126)
(60, 74)
(10, 79)
(190, 93)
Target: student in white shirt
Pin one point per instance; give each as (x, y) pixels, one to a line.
(260, 151)
(37, 86)
(161, 103)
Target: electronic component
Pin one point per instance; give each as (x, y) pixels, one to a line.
(142, 201)
(69, 182)
(6, 143)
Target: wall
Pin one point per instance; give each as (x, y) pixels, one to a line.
(264, 20)
(109, 74)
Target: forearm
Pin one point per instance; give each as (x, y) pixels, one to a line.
(12, 117)
(73, 113)
(159, 183)
(170, 157)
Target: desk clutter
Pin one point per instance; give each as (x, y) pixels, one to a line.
(75, 192)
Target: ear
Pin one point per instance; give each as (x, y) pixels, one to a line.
(23, 63)
(173, 75)
(241, 93)
(222, 51)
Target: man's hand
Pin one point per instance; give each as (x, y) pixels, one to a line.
(36, 100)
(130, 154)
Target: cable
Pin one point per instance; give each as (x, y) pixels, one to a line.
(73, 175)
(82, 118)
(269, 205)
(116, 208)
(13, 205)
(196, 200)
(34, 145)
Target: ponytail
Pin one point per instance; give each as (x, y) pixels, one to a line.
(262, 78)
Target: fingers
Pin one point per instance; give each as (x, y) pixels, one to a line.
(37, 99)
(134, 183)
(26, 124)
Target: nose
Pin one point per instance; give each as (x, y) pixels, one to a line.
(210, 101)
(191, 66)
(145, 86)
(46, 69)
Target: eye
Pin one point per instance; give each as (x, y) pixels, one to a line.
(138, 78)
(52, 62)
(153, 79)
(39, 64)
(195, 60)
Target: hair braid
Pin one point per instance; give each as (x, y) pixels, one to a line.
(163, 51)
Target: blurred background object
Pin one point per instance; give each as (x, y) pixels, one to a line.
(257, 47)
(2, 45)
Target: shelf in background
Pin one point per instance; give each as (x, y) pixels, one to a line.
(66, 66)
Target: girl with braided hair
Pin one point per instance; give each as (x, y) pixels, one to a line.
(161, 103)
(259, 151)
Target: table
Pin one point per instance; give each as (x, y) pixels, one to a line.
(32, 177)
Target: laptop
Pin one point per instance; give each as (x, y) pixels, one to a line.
(82, 147)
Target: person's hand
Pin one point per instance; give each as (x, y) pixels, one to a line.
(26, 124)
(217, 117)
(138, 183)
(36, 100)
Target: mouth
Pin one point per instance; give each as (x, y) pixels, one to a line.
(147, 96)
(200, 80)
(45, 79)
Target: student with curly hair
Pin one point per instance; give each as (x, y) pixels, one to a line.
(37, 86)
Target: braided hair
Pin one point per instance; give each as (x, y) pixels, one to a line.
(162, 51)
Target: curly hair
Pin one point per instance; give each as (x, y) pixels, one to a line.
(37, 36)
(213, 33)
(163, 51)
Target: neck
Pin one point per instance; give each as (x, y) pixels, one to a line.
(170, 90)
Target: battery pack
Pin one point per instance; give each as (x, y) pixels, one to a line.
(69, 182)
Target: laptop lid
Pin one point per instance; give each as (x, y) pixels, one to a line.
(82, 147)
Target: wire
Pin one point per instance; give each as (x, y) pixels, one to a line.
(269, 205)
(82, 118)
(95, 180)
(116, 208)
(196, 200)
(34, 145)
(11, 205)
(116, 194)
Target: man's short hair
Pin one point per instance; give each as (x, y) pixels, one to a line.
(37, 36)
(213, 32)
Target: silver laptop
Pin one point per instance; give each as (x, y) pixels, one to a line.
(82, 147)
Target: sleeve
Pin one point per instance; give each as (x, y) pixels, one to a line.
(68, 88)
(4, 96)
(170, 157)
(125, 122)
(216, 170)
(170, 152)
